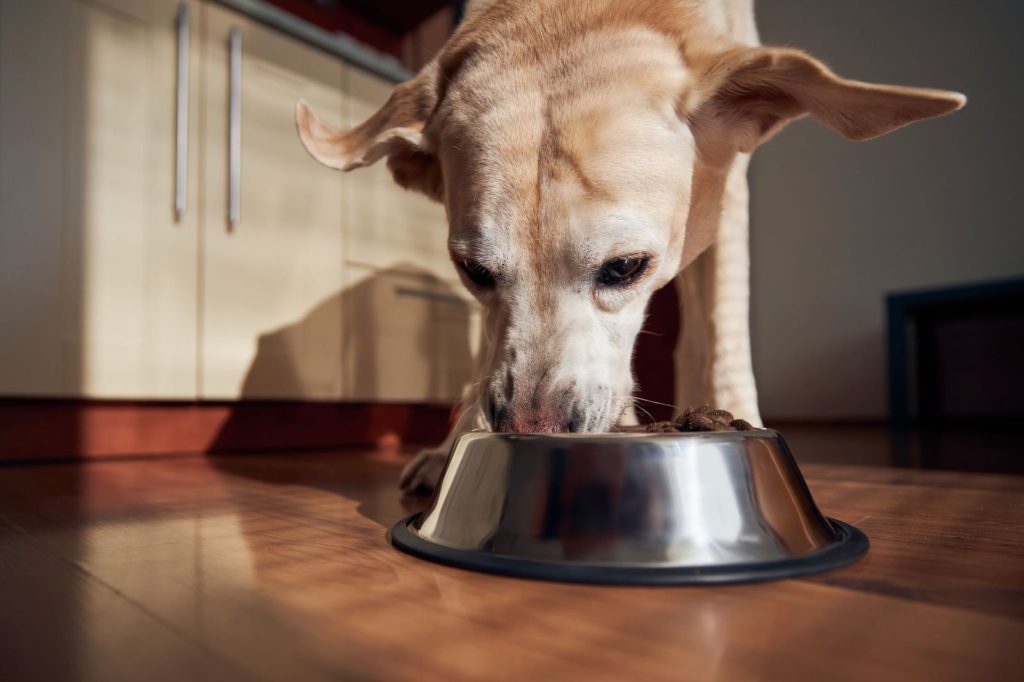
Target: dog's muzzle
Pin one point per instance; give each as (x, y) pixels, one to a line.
(547, 409)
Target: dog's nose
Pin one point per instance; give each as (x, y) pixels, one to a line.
(535, 407)
(538, 424)
(531, 424)
(511, 421)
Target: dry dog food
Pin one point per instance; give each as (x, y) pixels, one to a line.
(702, 418)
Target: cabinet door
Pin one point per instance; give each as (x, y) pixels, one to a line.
(271, 315)
(98, 271)
(390, 227)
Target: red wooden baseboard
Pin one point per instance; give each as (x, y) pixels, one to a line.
(43, 430)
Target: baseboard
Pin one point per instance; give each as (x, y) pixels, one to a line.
(48, 430)
(781, 423)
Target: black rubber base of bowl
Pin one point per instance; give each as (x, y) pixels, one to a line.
(851, 545)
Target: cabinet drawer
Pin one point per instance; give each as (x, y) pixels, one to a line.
(407, 337)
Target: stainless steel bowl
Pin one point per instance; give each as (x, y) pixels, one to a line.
(628, 509)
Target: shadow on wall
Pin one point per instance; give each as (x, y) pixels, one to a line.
(395, 347)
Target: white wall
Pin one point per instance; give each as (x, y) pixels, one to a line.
(836, 225)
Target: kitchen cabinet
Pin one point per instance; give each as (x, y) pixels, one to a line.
(98, 273)
(163, 235)
(410, 328)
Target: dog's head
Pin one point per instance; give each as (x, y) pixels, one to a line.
(582, 161)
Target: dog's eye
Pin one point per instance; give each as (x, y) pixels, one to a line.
(477, 274)
(622, 271)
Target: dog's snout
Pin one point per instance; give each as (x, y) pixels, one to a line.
(509, 422)
(545, 408)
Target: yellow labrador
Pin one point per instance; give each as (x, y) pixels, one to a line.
(587, 151)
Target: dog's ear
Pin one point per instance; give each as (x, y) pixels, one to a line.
(395, 131)
(747, 94)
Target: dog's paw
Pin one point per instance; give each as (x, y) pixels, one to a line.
(422, 474)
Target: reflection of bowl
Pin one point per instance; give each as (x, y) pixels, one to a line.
(628, 508)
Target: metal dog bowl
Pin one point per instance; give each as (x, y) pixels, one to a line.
(628, 509)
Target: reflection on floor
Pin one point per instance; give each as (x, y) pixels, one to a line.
(278, 567)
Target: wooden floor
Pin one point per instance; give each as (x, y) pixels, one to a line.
(279, 568)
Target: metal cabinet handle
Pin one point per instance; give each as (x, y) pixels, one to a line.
(181, 116)
(235, 132)
(431, 295)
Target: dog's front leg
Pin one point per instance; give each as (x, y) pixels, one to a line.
(424, 471)
(712, 357)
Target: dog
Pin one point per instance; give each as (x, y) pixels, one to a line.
(589, 152)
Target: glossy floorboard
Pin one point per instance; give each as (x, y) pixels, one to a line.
(278, 568)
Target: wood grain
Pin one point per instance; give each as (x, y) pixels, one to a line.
(279, 568)
(60, 623)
